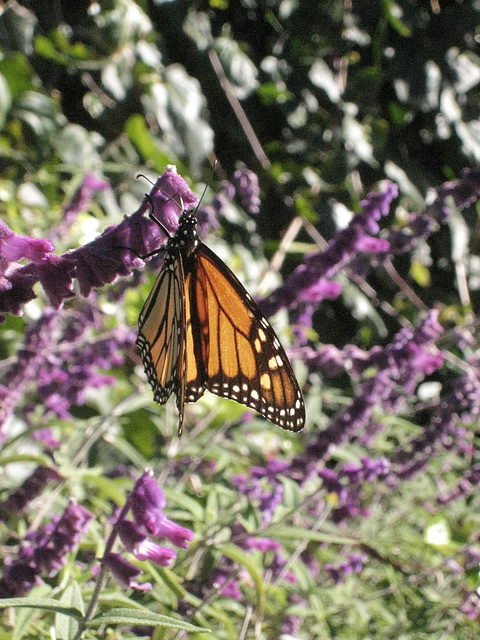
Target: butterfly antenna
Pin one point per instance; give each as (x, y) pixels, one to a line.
(209, 182)
(142, 175)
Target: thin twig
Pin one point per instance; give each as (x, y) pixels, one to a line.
(238, 110)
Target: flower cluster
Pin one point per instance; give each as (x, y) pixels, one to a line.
(310, 282)
(146, 503)
(354, 565)
(18, 501)
(246, 185)
(399, 367)
(61, 358)
(264, 487)
(443, 430)
(44, 552)
(100, 262)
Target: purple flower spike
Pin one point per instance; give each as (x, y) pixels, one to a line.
(169, 197)
(146, 503)
(18, 501)
(44, 552)
(246, 183)
(341, 251)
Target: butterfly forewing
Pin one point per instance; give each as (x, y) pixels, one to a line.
(237, 354)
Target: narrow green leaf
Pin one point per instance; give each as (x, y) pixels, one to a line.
(48, 604)
(135, 617)
(238, 555)
(297, 533)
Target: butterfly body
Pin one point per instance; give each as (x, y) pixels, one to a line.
(200, 330)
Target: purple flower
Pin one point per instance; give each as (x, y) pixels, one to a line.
(354, 565)
(463, 404)
(262, 544)
(16, 291)
(44, 551)
(137, 543)
(100, 262)
(56, 276)
(471, 606)
(45, 436)
(229, 588)
(327, 359)
(148, 550)
(125, 572)
(146, 502)
(321, 290)
(176, 534)
(472, 558)
(207, 219)
(14, 247)
(246, 184)
(83, 196)
(17, 580)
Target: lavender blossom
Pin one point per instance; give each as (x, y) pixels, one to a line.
(146, 503)
(461, 405)
(246, 184)
(79, 203)
(19, 500)
(100, 262)
(400, 367)
(61, 360)
(320, 267)
(263, 486)
(44, 552)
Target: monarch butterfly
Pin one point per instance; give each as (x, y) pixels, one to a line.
(199, 329)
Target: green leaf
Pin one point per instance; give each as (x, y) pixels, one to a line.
(66, 626)
(25, 616)
(143, 141)
(133, 617)
(48, 604)
(238, 555)
(299, 533)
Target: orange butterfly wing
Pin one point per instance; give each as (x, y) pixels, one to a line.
(161, 334)
(231, 348)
